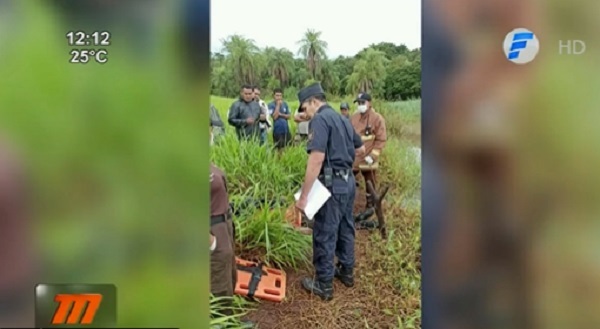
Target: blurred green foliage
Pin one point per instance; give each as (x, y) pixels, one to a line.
(116, 156)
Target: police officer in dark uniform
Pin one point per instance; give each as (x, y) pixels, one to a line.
(333, 229)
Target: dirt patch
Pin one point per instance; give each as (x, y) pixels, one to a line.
(349, 309)
(369, 301)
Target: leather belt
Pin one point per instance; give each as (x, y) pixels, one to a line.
(214, 220)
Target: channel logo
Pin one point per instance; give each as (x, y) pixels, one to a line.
(75, 306)
(521, 46)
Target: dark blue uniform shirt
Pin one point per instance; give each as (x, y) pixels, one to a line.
(331, 134)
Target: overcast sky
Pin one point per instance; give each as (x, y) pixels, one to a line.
(346, 26)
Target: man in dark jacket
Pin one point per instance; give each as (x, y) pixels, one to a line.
(245, 114)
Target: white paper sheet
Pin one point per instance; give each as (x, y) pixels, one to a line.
(317, 197)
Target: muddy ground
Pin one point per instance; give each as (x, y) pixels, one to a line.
(351, 308)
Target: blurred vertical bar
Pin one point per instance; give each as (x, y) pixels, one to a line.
(439, 59)
(510, 180)
(473, 254)
(103, 167)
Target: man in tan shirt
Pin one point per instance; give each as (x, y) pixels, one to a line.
(370, 126)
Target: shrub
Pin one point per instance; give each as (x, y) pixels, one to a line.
(256, 172)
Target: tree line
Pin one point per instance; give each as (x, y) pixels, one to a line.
(385, 70)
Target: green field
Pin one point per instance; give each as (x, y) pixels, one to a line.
(387, 294)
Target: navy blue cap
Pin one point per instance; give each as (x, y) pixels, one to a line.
(314, 89)
(363, 97)
(345, 105)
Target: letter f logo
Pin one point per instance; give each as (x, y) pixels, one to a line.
(519, 42)
(521, 46)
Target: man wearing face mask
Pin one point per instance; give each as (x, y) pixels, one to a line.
(333, 228)
(370, 125)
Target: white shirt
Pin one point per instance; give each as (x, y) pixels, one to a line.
(265, 109)
(302, 126)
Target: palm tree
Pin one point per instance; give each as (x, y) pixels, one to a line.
(313, 49)
(330, 77)
(280, 63)
(242, 58)
(369, 73)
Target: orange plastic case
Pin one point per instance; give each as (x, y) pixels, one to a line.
(271, 286)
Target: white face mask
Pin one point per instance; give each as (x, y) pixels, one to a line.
(362, 108)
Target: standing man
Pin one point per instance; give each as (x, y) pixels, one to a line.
(345, 109)
(223, 270)
(216, 122)
(280, 111)
(265, 124)
(302, 130)
(370, 126)
(333, 229)
(244, 115)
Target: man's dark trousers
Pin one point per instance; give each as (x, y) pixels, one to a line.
(333, 230)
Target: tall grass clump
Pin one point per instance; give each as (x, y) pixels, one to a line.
(252, 166)
(220, 306)
(400, 253)
(403, 119)
(401, 168)
(257, 172)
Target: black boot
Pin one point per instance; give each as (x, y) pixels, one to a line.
(363, 216)
(367, 225)
(319, 288)
(345, 276)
